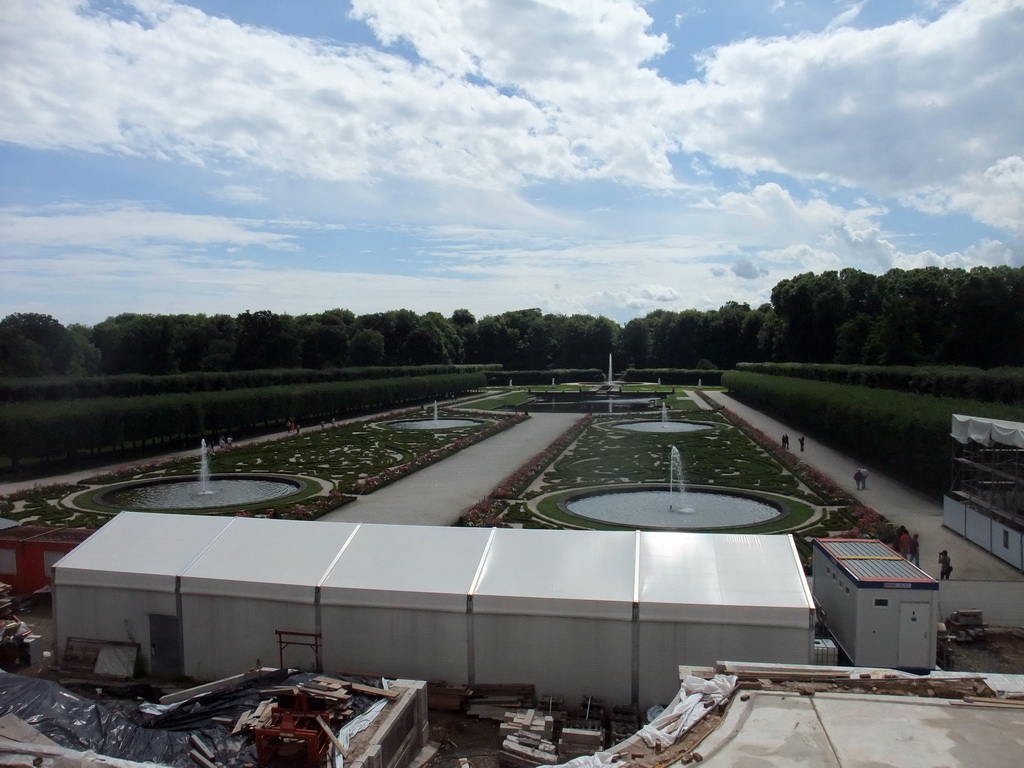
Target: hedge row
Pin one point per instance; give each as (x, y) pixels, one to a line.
(138, 385)
(680, 376)
(996, 385)
(903, 434)
(48, 430)
(500, 378)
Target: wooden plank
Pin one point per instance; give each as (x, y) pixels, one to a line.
(330, 735)
(371, 691)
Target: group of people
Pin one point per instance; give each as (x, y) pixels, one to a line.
(785, 441)
(861, 478)
(909, 547)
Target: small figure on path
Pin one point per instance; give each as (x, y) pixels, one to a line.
(858, 477)
(903, 543)
(914, 553)
(945, 567)
(801, 441)
(863, 478)
(785, 441)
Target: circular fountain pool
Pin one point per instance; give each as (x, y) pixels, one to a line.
(662, 426)
(661, 509)
(429, 424)
(182, 493)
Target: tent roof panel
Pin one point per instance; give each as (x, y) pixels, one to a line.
(270, 552)
(409, 558)
(688, 569)
(568, 565)
(138, 544)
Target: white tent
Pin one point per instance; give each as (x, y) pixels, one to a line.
(395, 603)
(704, 598)
(610, 614)
(556, 608)
(121, 584)
(257, 577)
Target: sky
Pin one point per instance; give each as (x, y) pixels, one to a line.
(602, 157)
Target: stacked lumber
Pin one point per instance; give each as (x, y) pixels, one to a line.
(529, 721)
(527, 750)
(575, 742)
(448, 697)
(491, 702)
(325, 695)
(625, 722)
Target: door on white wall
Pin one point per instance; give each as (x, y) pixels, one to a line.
(164, 646)
(913, 638)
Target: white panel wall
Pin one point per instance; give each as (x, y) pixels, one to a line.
(120, 615)
(664, 646)
(569, 656)
(396, 642)
(227, 635)
(1001, 602)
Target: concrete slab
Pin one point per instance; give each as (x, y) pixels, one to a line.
(784, 730)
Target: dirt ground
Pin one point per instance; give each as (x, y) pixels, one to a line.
(1001, 651)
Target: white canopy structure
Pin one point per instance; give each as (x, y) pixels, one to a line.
(987, 431)
(985, 503)
(609, 614)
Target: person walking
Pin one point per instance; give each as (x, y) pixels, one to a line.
(914, 551)
(858, 478)
(785, 441)
(863, 478)
(945, 566)
(801, 441)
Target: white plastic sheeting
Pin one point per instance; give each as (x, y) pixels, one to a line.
(695, 699)
(987, 431)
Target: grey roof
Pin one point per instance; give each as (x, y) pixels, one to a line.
(871, 560)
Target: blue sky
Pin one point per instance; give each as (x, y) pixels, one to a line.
(581, 156)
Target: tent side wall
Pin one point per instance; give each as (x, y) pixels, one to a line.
(416, 643)
(107, 613)
(570, 656)
(666, 645)
(224, 634)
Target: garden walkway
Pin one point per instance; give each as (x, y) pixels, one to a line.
(894, 501)
(440, 493)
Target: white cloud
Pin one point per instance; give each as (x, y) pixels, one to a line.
(911, 106)
(129, 225)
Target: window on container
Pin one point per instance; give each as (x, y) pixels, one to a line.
(1006, 539)
(8, 561)
(881, 602)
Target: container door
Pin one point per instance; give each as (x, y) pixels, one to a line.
(164, 646)
(913, 648)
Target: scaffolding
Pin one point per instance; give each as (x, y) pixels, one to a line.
(990, 479)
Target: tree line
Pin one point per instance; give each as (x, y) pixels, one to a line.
(929, 316)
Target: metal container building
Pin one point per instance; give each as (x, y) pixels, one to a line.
(882, 610)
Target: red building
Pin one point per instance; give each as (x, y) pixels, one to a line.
(28, 552)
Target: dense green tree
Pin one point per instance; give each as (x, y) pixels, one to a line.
(366, 348)
(267, 340)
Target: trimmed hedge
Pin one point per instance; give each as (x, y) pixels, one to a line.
(138, 385)
(905, 435)
(997, 385)
(500, 378)
(47, 430)
(682, 376)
